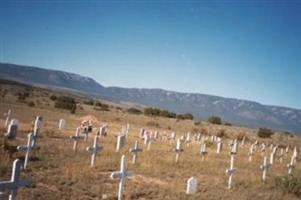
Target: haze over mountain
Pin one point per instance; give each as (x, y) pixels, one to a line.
(240, 112)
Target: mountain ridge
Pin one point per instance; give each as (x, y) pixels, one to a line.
(237, 111)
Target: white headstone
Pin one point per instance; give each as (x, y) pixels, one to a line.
(12, 129)
(192, 185)
(178, 149)
(264, 167)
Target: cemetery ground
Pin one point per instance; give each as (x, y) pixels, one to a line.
(58, 172)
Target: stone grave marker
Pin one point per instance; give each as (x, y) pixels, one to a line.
(219, 145)
(192, 185)
(251, 152)
(203, 151)
(15, 183)
(291, 165)
(7, 115)
(121, 175)
(12, 129)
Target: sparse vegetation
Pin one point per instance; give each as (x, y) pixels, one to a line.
(65, 102)
(215, 120)
(264, 133)
(134, 111)
(289, 184)
(31, 104)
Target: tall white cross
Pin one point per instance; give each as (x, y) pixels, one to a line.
(231, 171)
(15, 182)
(27, 148)
(203, 151)
(7, 118)
(291, 165)
(76, 138)
(94, 150)
(219, 146)
(178, 149)
(121, 175)
(264, 167)
(251, 152)
(135, 152)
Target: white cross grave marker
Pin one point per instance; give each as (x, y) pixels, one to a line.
(231, 172)
(62, 124)
(203, 151)
(178, 149)
(121, 139)
(264, 167)
(121, 175)
(219, 145)
(135, 152)
(251, 152)
(76, 138)
(94, 150)
(8, 114)
(291, 166)
(15, 182)
(27, 148)
(192, 185)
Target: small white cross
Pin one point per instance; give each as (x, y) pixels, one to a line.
(28, 148)
(203, 151)
(94, 150)
(76, 138)
(121, 175)
(231, 171)
(135, 152)
(178, 149)
(264, 167)
(15, 182)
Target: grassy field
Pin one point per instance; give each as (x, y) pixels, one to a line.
(58, 172)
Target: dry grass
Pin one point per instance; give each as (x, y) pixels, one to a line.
(60, 173)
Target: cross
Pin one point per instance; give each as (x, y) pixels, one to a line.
(234, 148)
(178, 149)
(281, 155)
(204, 151)
(94, 150)
(231, 171)
(219, 146)
(135, 151)
(37, 127)
(291, 166)
(62, 124)
(15, 182)
(7, 118)
(264, 167)
(188, 139)
(76, 138)
(121, 175)
(251, 152)
(121, 140)
(27, 148)
(102, 130)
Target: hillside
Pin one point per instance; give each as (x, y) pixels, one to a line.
(240, 112)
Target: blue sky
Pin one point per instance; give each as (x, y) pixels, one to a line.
(241, 49)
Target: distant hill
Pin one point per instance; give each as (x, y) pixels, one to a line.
(240, 112)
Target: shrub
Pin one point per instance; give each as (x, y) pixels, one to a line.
(134, 111)
(65, 102)
(89, 102)
(264, 133)
(197, 123)
(53, 98)
(31, 104)
(289, 184)
(227, 124)
(215, 120)
(221, 133)
(152, 123)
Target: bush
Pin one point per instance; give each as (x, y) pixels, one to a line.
(227, 124)
(31, 104)
(53, 98)
(197, 123)
(215, 120)
(221, 133)
(89, 102)
(289, 184)
(65, 102)
(152, 123)
(265, 133)
(134, 111)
